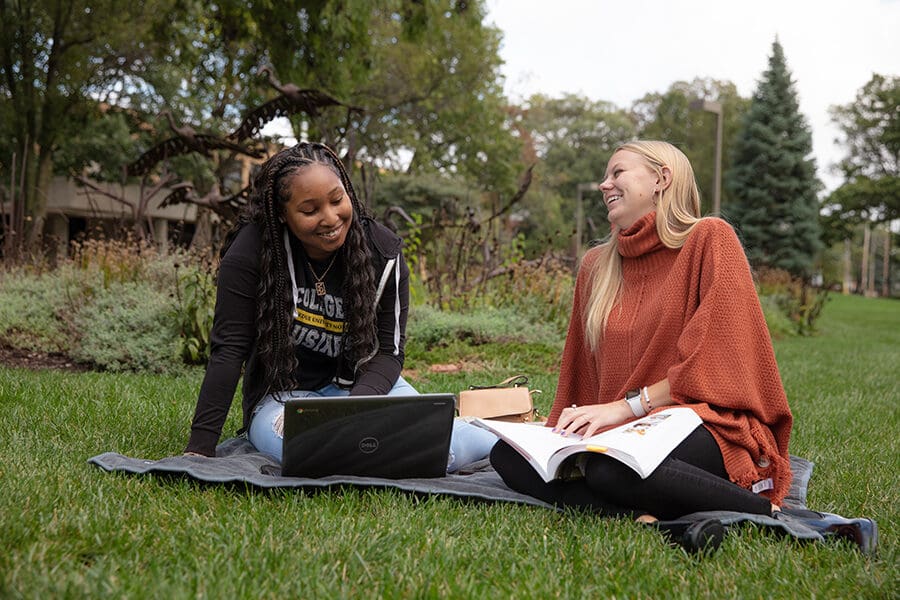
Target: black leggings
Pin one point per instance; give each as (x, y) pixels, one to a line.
(691, 479)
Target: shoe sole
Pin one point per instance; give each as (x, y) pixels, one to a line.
(704, 536)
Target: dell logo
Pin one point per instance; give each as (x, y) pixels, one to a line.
(368, 445)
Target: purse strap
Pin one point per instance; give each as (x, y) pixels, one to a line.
(514, 381)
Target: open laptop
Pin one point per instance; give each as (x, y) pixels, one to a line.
(394, 437)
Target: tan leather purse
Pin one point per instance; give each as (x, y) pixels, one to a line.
(509, 400)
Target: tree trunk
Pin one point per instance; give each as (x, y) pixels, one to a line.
(870, 287)
(864, 261)
(203, 230)
(14, 223)
(886, 264)
(37, 186)
(847, 279)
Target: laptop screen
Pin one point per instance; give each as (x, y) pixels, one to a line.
(396, 437)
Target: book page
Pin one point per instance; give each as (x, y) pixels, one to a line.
(641, 444)
(534, 442)
(646, 442)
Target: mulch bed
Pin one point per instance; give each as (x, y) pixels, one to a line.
(28, 359)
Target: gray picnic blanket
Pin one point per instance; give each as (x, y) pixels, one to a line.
(238, 462)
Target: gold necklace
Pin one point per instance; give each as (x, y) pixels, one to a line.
(320, 283)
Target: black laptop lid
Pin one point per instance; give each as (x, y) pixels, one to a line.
(394, 437)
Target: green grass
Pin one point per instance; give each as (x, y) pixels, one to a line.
(68, 529)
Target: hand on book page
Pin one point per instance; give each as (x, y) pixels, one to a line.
(640, 444)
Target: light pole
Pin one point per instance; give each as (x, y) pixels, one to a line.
(579, 215)
(716, 108)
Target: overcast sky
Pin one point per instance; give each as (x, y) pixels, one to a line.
(620, 50)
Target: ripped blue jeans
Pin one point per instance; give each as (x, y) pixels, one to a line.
(468, 443)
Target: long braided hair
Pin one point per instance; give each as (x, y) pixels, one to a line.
(275, 302)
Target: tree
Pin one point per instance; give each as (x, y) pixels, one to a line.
(573, 137)
(871, 128)
(772, 179)
(431, 88)
(870, 193)
(427, 74)
(56, 59)
(669, 116)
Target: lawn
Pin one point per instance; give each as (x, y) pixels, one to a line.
(68, 529)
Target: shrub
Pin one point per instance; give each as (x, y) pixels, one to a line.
(193, 314)
(800, 303)
(540, 291)
(429, 326)
(36, 308)
(779, 324)
(127, 326)
(118, 304)
(118, 260)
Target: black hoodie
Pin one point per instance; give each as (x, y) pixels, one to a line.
(234, 332)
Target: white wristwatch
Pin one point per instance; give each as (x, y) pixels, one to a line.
(633, 398)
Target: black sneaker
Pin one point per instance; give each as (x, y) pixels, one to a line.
(694, 536)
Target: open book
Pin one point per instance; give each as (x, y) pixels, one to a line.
(640, 444)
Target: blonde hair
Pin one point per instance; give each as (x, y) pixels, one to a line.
(677, 211)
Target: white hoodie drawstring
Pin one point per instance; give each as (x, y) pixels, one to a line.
(392, 264)
(396, 307)
(395, 264)
(290, 264)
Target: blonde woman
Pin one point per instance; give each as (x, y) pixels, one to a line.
(666, 313)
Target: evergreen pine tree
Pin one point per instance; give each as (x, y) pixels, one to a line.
(773, 178)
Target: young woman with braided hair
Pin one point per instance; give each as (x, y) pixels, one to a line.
(666, 313)
(313, 297)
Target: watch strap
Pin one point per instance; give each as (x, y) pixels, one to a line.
(633, 399)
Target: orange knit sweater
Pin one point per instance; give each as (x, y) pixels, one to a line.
(692, 315)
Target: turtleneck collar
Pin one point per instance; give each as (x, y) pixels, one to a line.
(641, 238)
